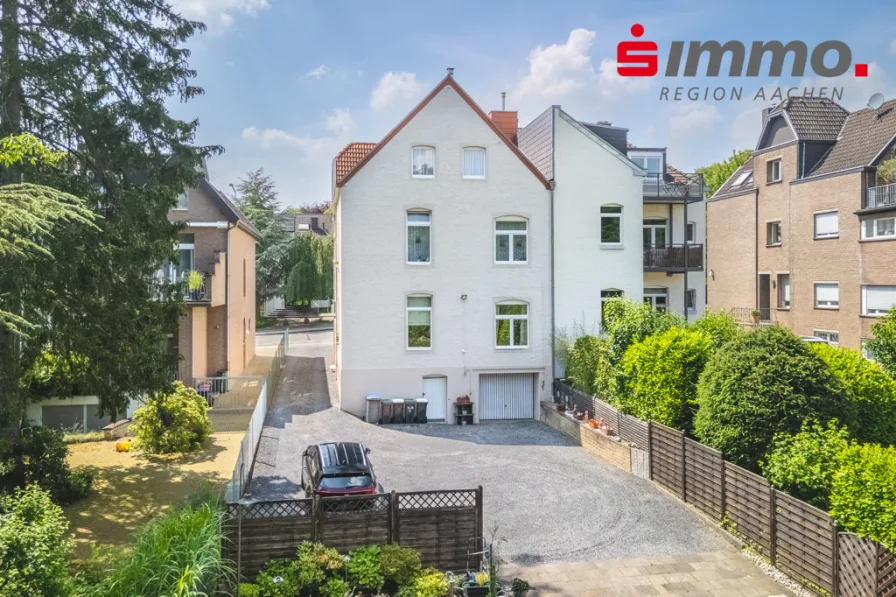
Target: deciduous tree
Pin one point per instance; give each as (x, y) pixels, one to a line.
(715, 175)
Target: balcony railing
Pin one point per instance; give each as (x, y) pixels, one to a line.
(749, 316)
(672, 257)
(203, 294)
(683, 187)
(882, 196)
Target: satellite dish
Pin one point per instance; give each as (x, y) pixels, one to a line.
(876, 101)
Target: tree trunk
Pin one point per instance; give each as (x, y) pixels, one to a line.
(10, 73)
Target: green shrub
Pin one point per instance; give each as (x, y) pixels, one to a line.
(583, 363)
(660, 376)
(883, 345)
(250, 590)
(872, 392)
(34, 545)
(863, 495)
(721, 327)
(365, 570)
(335, 587)
(40, 457)
(316, 562)
(279, 578)
(606, 376)
(804, 464)
(431, 583)
(172, 423)
(628, 322)
(177, 554)
(401, 565)
(758, 385)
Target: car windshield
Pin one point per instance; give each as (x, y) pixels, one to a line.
(346, 482)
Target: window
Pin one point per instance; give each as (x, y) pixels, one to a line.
(772, 234)
(419, 322)
(419, 236)
(773, 170)
(652, 163)
(826, 225)
(827, 295)
(877, 300)
(692, 232)
(655, 231)
(183, 201)
(656, 298)
(185, 263)
(611, 224)
(606, 295)
(690, 300)
(742, 178)
(783, 291)
(511, 240)
(879, 228)
(866, 352)
(511, 325)
(423, 162)
(474, 162)
(828, 335)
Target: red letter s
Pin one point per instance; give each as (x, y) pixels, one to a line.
(630, 53)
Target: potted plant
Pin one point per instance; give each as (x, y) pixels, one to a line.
(194, 283)
(465, 399)
(519, 587)
(476, 584)
(756, 315)
(592, 423)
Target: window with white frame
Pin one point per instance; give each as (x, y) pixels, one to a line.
(866, 352)
(474, 162)
(828, 336)
(423, 162)
(607, 295)
(743, 178)
(183, 201)
(419, 322)
(419, 225)
(773, 171)
(652, 163)
(827, 295)
(511, 240)
(692, 232)
(657, 298)
(690, 300)
(783, 291)
(826, 224)
(879, 228)
(512, 325)
(878, 300)
(611, 224)
(772, 234)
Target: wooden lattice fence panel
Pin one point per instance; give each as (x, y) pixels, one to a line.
(633, 430)
(886, 573)
(352, 522)
(748, 505)
(443, 526)
(857, 565)
(804, 541)
(266, 531)
(704, 478)
(667, 458)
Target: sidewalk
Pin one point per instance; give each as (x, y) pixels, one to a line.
(716, 574)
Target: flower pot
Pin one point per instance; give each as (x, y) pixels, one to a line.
(476, 591)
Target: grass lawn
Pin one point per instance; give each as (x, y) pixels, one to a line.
(131, 488)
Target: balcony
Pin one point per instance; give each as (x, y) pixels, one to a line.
(881, 197)
(673, 188)
(674, 258)
(198, 296)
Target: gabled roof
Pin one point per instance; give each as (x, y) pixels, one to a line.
(448, 81)
(866, 134)
(349, 157)
(599, 140)
(811, 118)
(232, 211)
(746, 182)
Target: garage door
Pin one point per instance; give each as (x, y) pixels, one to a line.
(507, 396)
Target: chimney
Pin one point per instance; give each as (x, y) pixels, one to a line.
(506, 121)
(765, 113)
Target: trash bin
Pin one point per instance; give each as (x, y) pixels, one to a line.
(386, 411)
(410, 410)
(374, 409)
(421, 410)
(397, 410)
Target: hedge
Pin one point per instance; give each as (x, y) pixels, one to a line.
(863, 495)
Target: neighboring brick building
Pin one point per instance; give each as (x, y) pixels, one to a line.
(800, 231)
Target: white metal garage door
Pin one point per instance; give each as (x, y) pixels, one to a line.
(507, 396)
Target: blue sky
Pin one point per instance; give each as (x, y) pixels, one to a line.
(289, 82)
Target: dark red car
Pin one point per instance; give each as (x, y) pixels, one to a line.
(340, 468)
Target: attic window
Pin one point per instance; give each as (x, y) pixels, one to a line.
(423, 162)
(742, 178)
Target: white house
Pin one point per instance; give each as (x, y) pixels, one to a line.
(443, 264)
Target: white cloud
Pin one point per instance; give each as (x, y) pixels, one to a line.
(696, 120)
(746, 126)
(856, 90)
(613, 84)
(339, 122)
(318, 73)
(558, 69)
(218, 15)
(394, 89)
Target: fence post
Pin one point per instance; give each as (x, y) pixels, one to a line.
(480, 526)
(316, 516)
(724, 490)
(773, 527)
(650, 450)
(684, 472)
(835, 572)
(393, 515)
(239, 547)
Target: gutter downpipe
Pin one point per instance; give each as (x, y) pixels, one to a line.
(230, 227)
(553, 264)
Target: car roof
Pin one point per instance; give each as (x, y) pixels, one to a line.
(342, 457)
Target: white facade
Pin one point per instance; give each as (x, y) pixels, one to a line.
(465, 284)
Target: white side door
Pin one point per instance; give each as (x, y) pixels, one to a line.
(435, 390)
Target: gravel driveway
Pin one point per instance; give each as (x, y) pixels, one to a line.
(551, 501)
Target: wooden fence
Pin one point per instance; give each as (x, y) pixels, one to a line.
(631, 429)
(797, 538)
(444, 526)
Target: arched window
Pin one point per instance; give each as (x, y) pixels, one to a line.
(419, 225)
(611, 225)
(423, 161)
(606, 295)
(511, 240)
(419, 317)
(474, 162)
(512, 324)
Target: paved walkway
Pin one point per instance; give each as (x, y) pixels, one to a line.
(716, 574)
